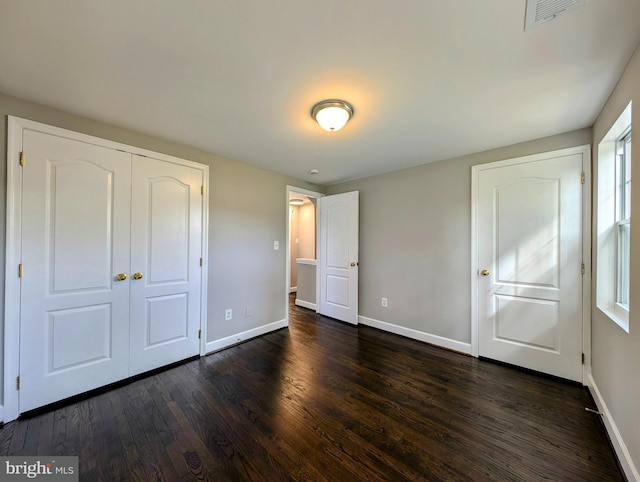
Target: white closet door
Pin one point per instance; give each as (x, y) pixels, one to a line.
(166, 246)
(529, 258)
(74, 328)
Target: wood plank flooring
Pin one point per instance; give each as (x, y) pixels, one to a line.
(327, 401)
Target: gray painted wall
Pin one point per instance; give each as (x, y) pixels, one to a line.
(616, 354)
(307, 231)
(247, 213)
(415, 239)
(294, 229)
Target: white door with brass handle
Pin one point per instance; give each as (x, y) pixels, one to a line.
(529, 236)
(338, 255)
(166, 245)
(112, 243)
(74, 315)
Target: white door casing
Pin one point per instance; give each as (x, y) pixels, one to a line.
(68, 319)
(527, 268)
(166, 237)
(338, 256)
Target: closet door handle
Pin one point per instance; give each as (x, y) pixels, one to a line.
(137, 275)
(121, 277)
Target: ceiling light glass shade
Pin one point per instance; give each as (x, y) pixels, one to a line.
(296, 202)
(332, 115)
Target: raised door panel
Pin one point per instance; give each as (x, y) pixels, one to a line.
(337, 265)
(74, 314)
(169, 229)
(527, 246)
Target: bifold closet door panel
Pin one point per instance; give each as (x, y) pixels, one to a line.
(74, 323)
(166, 246)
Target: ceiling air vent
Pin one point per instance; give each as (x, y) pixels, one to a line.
(541, 11)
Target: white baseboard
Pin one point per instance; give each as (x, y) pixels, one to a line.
(244, 336)
(417, 335)
(306, 304)
(629, 468)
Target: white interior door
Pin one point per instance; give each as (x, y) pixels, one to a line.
(74, 314)
(529, 235)
(338, 256)
(166, 248)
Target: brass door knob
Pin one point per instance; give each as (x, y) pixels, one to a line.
(484, 272)
(353, 263)
(137, 275)
(121, 277)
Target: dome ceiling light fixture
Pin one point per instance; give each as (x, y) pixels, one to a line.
(296, 202)
(332, 114)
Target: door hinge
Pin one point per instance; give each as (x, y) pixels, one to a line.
(202, 190)
(583, 358)
(22, 158)
(20, 270)
(199, 334)
(582, 268)
(18, 382)
(200, 261)
(582, 177)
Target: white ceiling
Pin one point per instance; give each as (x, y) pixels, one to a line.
(428, 79)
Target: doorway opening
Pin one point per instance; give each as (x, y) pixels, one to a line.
(302, 228)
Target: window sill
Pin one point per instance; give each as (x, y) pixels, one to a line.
(618, 314)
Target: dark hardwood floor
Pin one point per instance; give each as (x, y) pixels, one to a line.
(326, 401)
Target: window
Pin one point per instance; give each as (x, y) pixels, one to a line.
(613, 206)
(623, 217)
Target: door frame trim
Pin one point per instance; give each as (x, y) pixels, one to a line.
(307, 192)
(9, 410)
(585, 151)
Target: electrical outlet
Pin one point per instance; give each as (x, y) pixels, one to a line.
(384, 302)
(228, 314)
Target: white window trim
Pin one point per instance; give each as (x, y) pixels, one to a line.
(622, 277)
(607, 239)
